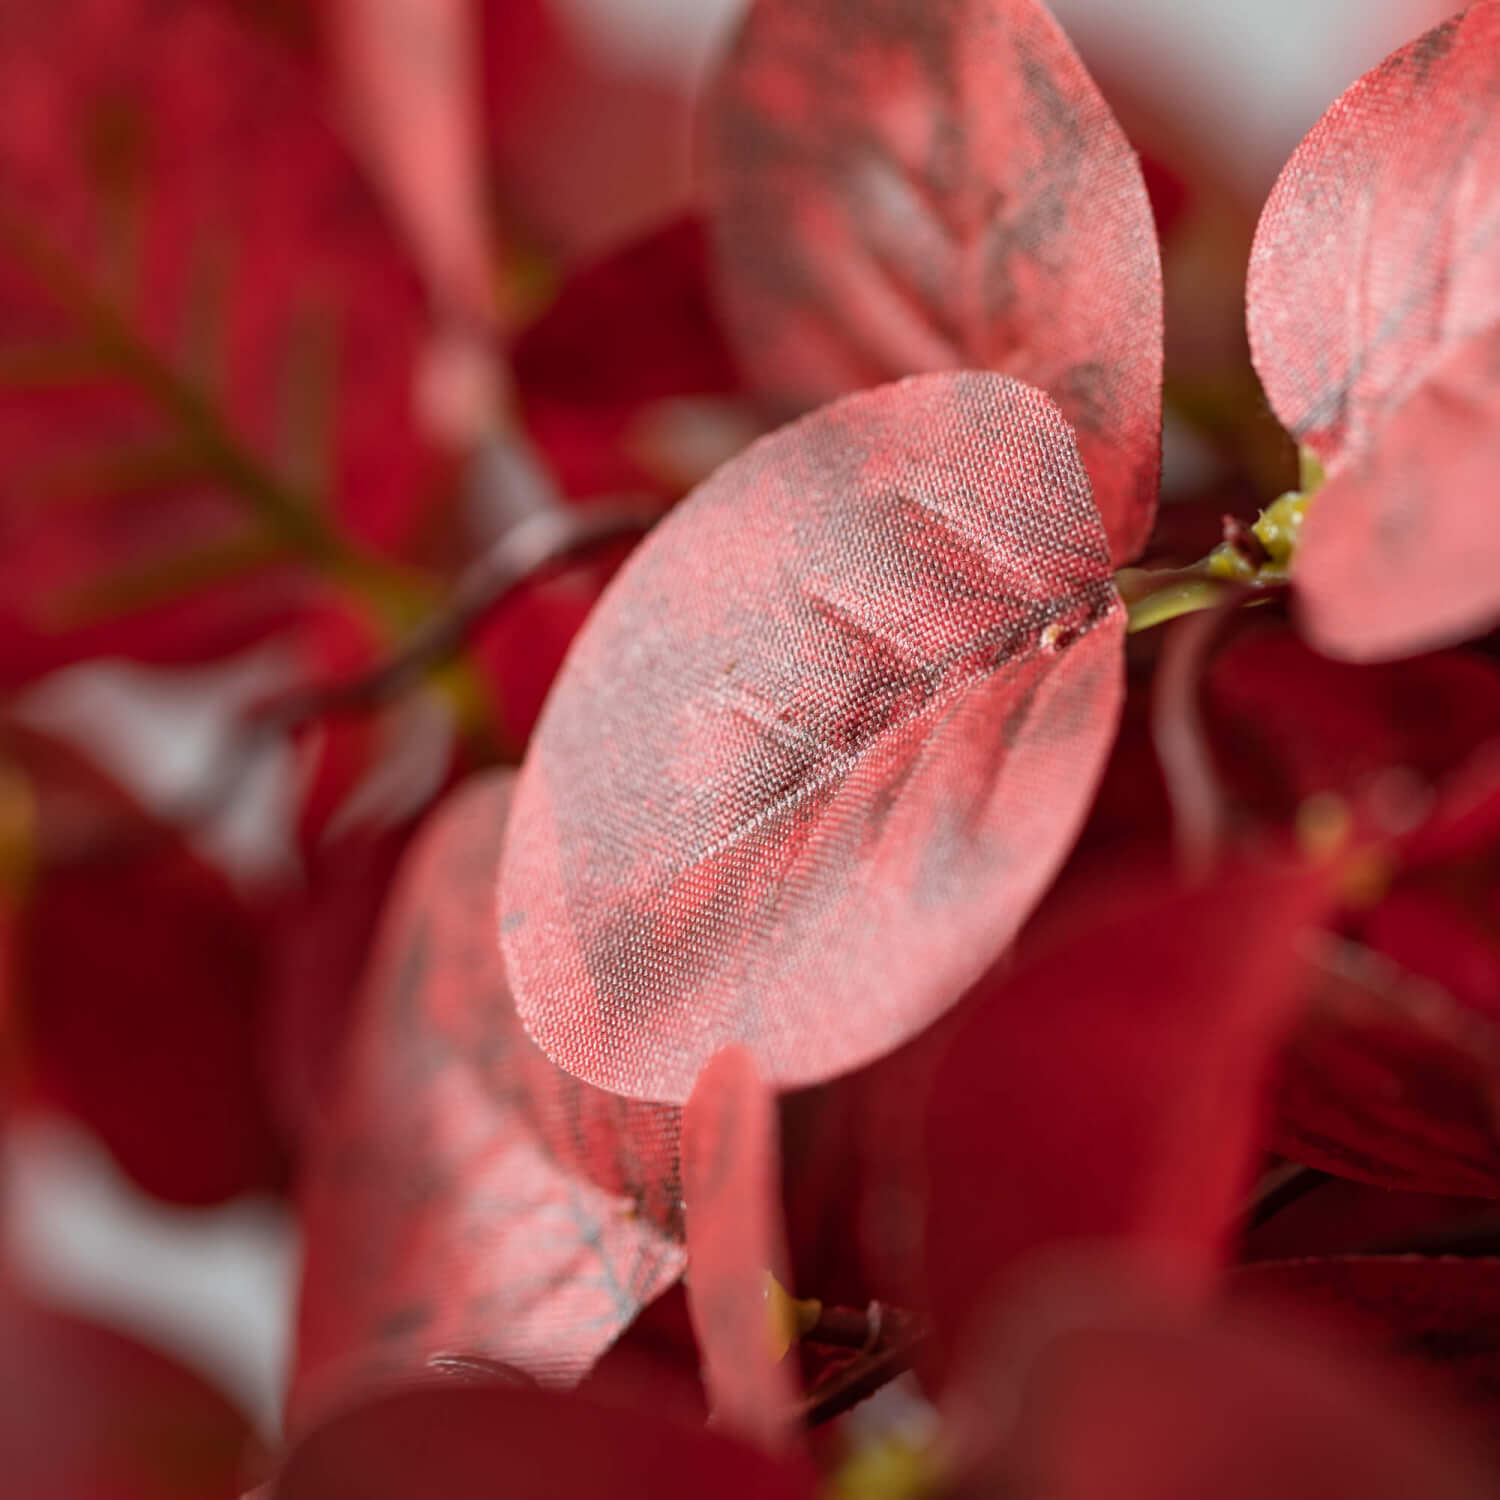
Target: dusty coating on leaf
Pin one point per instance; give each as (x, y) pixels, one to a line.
(1374, 302)
(914, 185)
(821, 747)
(470, 1198)
(731, 1189)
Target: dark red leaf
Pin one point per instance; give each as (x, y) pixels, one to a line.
(470, 1199)
(88, 1415)
(1113, 1088)
(209, 331)
(1441, 1315)
(1092, 1392)
(140, 980)
(905, 186)
(731, 1190)
(821, 747)
(1375, 322)
(480, 1443)
(1391, 1082)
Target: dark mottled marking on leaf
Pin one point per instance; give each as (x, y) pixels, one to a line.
(901, 187)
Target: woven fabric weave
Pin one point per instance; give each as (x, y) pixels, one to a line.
(1375, 322)
(821, 747)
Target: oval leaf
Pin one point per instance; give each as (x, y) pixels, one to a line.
(1375, 322)
(907, 186)
(470, 1199)
(821, 747)
(731, 1190)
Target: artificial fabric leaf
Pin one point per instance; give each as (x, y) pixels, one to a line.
(1084, 1391)
(731, 1191)
(189, 268)
(1439, 1313)
(479, 1443)
(469, 1198)
(1112, 1088)
(821, 747)
(411, 91)
(86, 1414)
(1374, 300)
(1391, 1081)
(904, 186)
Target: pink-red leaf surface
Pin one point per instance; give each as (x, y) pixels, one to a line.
(482, 1443)
(1112, 1089)
(1375, 321)
(905, 186)
(469, 1198)
(208, 328)
(410, 75)
(731, 1190)
(821, 747)
(86, 1414)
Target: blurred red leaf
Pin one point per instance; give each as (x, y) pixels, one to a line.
(1092, 1392)
(478, 1443)
(1374, 301)
(469, 1198)
(1391, 1081)
(86, 1414)
(731, 1190)
(410, 75)
(1441, 1315)
(209, 329)
(1113, 1087)
(140, 979)
(905, 186)
(821, 746)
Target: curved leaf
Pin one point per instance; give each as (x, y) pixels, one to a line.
(469, 1199)
(731, 1191)
(1113, 1088)
(481, 1443)
(87, 1413)
(1375, 322)
(821, 747)
(906, 186)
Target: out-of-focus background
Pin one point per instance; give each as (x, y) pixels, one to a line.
(1245, 78)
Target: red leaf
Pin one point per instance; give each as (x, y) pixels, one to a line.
(140, 977)
(481, 1443)
(820, 748)
(1391, 1082)
(209, 332)
(1097, 1393)
(1441, 1315)
(907, 186)
(88, 1415)
(411, 86)
(1375, 321)
(1113, 1088)
(471, 1199)
(731, 1193)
